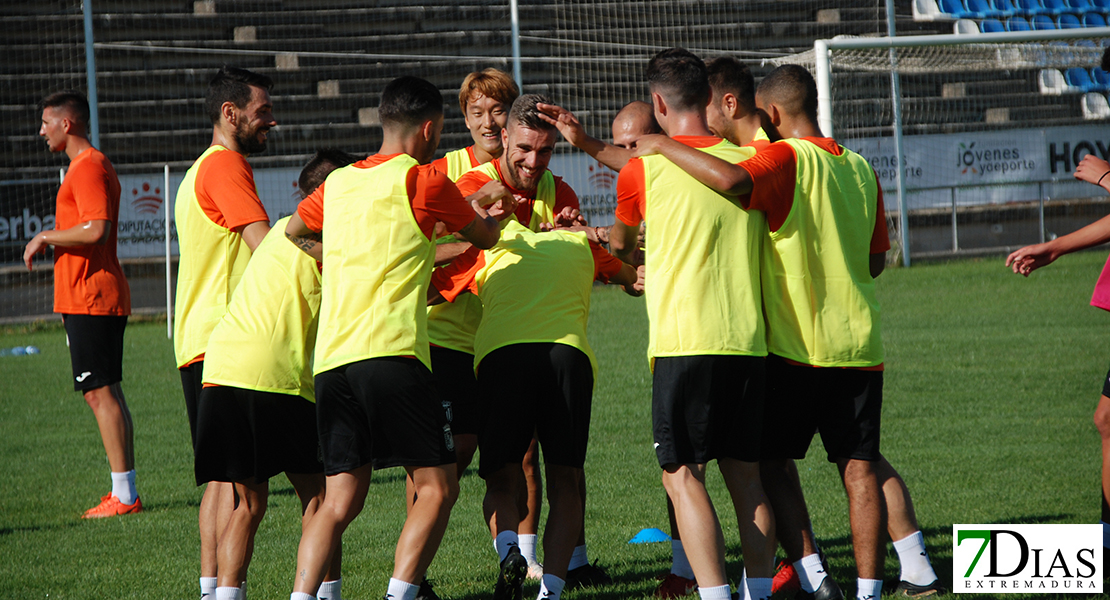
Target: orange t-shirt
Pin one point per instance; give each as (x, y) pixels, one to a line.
(473, 181)
(632, 189)
(432, 195)
(88, 280)
(226, 192)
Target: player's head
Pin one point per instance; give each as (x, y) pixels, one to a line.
(484, 99)
(632, 122)
(1105, 63)
(319, 166)
(788, 92)
(64, 113)
(240, 100)
(732, 95)
(678, 82)
(412, 109)
(529, 142)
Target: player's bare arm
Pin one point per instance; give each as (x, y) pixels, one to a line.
(483, 231)
(1093, 169)
(253, 233)
(711, 171)
(304, 238)
(445, 253)
(90, 233)
(572, 131)
(631, 279)
(623, 241)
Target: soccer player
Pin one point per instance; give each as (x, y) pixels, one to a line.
(90, 290)
(220, 221)
(484, 99)
(543, 200)
(256, 416)
(374, 392)
(526, 274)
(707, 342)
(827, 233)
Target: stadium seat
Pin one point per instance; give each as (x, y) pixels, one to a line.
(927, 10)
(965, 26)
(1079, 6)
(1053, 7)
(1017, 24)
(1069, 21)
(1029, 8)
(979, 8)
(1079, 78)
(1086, 44)
(1102, 5)
(1042, 22)
(1095, 106)
(1051, 83)
(1101, 79)
(991, 26)
(1093, 19)
(1004, 8)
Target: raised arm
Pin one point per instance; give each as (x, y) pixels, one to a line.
(607, 154)
(711, 171)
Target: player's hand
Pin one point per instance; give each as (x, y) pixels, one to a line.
(1091, 169)
(569, 216)
(488, 194)
(637, 288)
(649, 144)
(564, 121)
(503, 208)
(1030, 258)
(37, 245)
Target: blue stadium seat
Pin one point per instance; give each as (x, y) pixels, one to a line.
(992, 26)
(1069, 21)
(1086, 44)
(1079, 6)
(1029, 7)
(1093, 19)
(1101, 78)
(980, 8)
(1053, 7)
(955, 8)
(1017, 24)
(1103, 5)
(1042, 22)
(1079, 78)
(1005, 8)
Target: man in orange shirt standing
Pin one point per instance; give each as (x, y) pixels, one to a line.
(90, 290)
(220, 221)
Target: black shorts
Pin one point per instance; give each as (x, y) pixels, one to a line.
(250, 435)
(543, 389)
(707, 407)
(383, 411)
(95, 349)
(1106, 386)
(192, 377)
(453, 372)
(844, 404)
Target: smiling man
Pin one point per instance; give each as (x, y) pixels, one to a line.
(220, 221)
(90, 290)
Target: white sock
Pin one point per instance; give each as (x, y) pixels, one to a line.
(869, 589)
(503, 542)
(123, 486)
(528, 547)
(301, 596)
(551, 587)
(401, 590)
(330, 590)
(1105, 534)
(227, 593)
(578, 558)
(721, 592)
(810, 572)
(207, 587)
(914, 560)
(680, 565)
(757, 588)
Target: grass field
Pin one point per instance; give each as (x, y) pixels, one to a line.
(990, 385)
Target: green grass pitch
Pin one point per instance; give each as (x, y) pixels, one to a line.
(991, 382)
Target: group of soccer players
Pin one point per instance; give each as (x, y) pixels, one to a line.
(411, 312)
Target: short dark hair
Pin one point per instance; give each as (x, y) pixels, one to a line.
(525, 114)
(792, 88)
(727, 75)
(409, 101)
(680, 77)
(319, 166)
(232, 84)
(1105, 64)
(72, 100)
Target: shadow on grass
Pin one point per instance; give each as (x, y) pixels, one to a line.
(6, 531)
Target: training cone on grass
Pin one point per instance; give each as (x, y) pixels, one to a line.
(649, 535)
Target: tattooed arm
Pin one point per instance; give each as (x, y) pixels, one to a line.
(304, 238)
